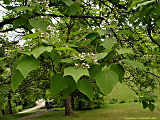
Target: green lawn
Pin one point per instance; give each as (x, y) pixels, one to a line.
(122, 93)
(132, 111)
(125, 111)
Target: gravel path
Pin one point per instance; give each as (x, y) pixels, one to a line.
(34, 108)
(39, 105)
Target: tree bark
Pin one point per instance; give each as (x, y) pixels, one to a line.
(3, 112)
(9, 103)
(68, 106)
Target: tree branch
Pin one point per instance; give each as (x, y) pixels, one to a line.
(80, 17)
(7, 30)
(10, 21)
(153, 74)
(150, 36)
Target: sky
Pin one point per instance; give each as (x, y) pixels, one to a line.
(2, 11)
(12, 36)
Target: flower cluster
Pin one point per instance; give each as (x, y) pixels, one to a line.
(84, 59)
(7, 52)
(49, 27)
(42, 35)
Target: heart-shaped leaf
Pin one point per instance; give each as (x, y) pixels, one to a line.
(76, 73)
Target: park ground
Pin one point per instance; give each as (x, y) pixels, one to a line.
(124, 111)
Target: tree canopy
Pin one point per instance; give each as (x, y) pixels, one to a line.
(84, 42)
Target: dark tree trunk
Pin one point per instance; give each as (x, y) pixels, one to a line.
(3, 112)
(68, 106)
(72, 103)
(79, 105)
(9, 103)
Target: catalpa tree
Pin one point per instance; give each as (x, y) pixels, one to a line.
(85, 42)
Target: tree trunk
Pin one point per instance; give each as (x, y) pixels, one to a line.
(68, 106)
(72, 103)
(9, 103)
(3, 112)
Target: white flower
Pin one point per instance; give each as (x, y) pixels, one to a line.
(47, 6)
(83, 53)
(74, 57)
(95, 61)
(87, 66)
(83, 64)
(0, 45)
(92, 54)
(76, 64)
(82, 58)
(47, 35)
(49, 27)
(42, 35)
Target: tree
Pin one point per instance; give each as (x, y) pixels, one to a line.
(87, 41)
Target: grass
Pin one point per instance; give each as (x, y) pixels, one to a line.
(125, 111)
(122, 93)
(132, 111)
(14, 116)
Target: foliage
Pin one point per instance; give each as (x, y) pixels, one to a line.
(103, 41)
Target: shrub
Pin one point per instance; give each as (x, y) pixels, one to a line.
(113, 101)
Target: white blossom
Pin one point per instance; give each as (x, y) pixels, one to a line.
(42, 35)
(76, 64)
(49, 27)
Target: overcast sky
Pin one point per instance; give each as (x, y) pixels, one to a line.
(12, 36)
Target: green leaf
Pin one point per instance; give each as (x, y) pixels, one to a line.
(99, 56)
(16, 79)
(31, 36)
(151, 107)
(134, 4)
(109, 43)
(40, 23)
(145, 104)
(158, 23)
(7, 1)
(41, 49)
(26, 64)
(95, 69)
(23, 8)
(70, 89)
(66, 60)
(86, 88)
(66, 49)
(106, 80)
(117, 68)
(24, 52)
(92, 35)
(74, 9)
(58, 83)
(68, 2)
(22, 21)
(125, 51)
(125, 32)
(76, 73)
(134, 64)
(145, 3)
(2, 58)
